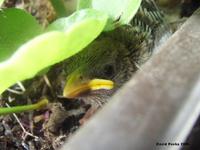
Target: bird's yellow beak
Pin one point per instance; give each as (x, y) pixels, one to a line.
(76, 86)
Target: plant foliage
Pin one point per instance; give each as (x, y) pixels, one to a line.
(26, 48)
(1, 2)
(60, 42)
(119, 12)
(16, 28)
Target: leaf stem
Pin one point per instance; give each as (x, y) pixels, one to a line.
(18, 109)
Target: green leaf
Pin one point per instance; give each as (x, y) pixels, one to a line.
(65, 38)
(16, 27)
(1, 2)
(64, 8)
(84, 4)
(82, 16)
(119, 11)
(59, 7)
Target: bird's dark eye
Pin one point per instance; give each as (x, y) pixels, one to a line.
(109, 70)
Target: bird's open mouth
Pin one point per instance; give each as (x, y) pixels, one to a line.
(82, 88)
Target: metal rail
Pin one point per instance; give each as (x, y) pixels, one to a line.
(157, 107)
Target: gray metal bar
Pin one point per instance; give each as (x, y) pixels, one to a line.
(158, 105)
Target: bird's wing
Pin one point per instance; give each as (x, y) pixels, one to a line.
(148, 17)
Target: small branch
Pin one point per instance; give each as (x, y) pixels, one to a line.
(21, 86)
(46, 79)
(15, 91)
(23, 129)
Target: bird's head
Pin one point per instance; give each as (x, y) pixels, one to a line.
(98, 70)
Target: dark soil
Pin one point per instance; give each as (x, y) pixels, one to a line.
(48, 128)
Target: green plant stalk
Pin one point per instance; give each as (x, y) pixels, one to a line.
(59, 7)
(18, 109)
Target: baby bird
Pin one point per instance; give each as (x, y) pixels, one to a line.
(95, 73)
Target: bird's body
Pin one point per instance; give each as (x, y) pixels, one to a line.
(116, 55)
